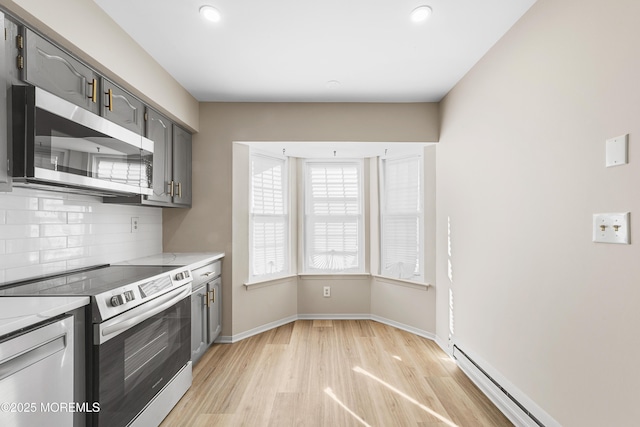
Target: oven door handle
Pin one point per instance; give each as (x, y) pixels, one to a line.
(113, 327)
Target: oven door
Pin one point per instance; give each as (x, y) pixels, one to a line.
(143, 351)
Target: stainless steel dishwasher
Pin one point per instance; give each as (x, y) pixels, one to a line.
(36, 376)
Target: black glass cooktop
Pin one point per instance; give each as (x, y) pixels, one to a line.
(88, 282)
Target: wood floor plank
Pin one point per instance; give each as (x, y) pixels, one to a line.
(322, 323)
(282, 334)
(463, 410)
(342, 373)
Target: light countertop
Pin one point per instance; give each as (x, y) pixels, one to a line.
(21, 312)
(191, 259)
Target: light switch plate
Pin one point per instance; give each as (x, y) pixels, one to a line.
(616, 151)
(611, 228)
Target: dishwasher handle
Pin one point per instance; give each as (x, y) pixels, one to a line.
(32, 347)
(115, 326)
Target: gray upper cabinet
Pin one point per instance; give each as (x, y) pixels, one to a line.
(49, 67)
(171, 165)
(159, 130)
(5, 83)
(181, 166)
(11, 40)
(30, 58)
(121, 107)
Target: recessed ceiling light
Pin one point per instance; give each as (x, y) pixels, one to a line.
(210, 13)
(421, 13)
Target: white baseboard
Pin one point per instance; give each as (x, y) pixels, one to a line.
(320, 316)
(347, 316)
(224, 339)
(444, 346)
(260, 329)
(398, 325)
(513, 403)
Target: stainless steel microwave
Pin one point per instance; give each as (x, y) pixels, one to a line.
(59, 146)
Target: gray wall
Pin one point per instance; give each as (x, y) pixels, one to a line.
(218, 219)
(521, 170)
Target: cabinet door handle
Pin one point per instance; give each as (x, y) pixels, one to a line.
(94, 90)
(171, 193)
(109, 94)
(212, 296)
(180, 189)
(205, 300)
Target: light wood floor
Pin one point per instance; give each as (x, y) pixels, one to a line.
(332, 373)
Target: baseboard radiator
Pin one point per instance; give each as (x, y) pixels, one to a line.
(505, 401)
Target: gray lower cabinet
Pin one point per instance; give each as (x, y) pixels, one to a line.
(198, 322)
(214, 314)
(120, 107)
(206, 308)
(52, 69)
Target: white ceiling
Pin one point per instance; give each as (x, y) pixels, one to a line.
(287, 50)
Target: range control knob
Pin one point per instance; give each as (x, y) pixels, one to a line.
(180, 276)
(117, 300)
(129, 296)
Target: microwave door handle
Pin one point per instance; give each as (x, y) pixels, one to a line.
(115, 326)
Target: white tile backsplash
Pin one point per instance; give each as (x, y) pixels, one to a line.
(48, 232)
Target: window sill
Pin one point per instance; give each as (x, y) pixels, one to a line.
(339, 276)
(268, 282)
(404, 282)
(325, 276)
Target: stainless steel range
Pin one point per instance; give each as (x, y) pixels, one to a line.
(139, 361)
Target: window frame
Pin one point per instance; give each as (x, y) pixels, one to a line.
(385, 215)
(285, 217)
(310, 218)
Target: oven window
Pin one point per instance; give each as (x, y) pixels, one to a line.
(144, 348)
(134, 366)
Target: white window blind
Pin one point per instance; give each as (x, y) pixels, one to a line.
(333, 217)
(269, 220)
(402, 218)
(121, 171)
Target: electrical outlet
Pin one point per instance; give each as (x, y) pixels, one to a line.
(134, 224)
(326, 291)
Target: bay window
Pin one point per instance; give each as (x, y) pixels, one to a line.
(402, 218)
(269, 220)
(333, 221)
